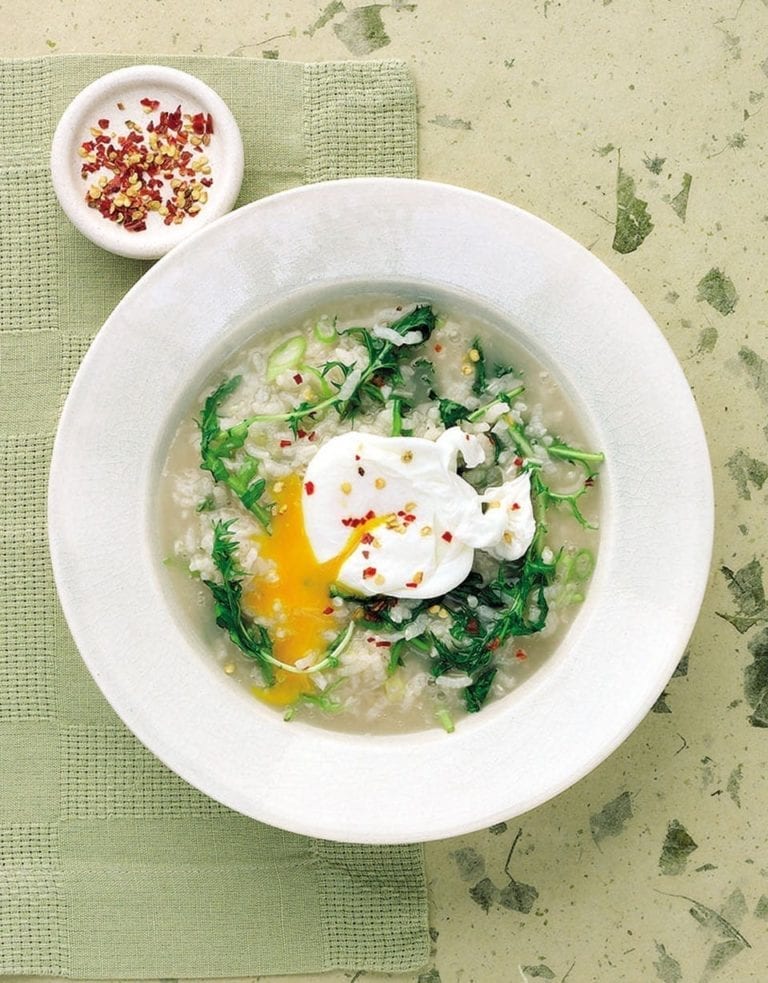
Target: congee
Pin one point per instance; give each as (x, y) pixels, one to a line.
(381, 518)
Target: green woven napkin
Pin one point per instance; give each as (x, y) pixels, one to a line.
(110, 865)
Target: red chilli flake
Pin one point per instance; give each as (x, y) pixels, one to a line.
(520, 655)
(493, 644)
(369, 572)
(518, 462)
(515, 506)
(328, 610)
(298, 378)
(438, 348)
(138, 172)
(286, 443)
(309, 487)
(366, 539)
(447, 536)
(357, 520)
(382, 644)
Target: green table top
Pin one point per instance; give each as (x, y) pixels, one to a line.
(653, 867)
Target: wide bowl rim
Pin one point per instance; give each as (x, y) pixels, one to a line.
(432, 816)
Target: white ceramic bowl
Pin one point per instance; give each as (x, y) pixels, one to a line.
(127, 87)
(270, 261)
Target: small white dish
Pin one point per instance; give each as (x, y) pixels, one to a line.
(116, 98)
(268, 263)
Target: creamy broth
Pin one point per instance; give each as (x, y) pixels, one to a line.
(370, 690)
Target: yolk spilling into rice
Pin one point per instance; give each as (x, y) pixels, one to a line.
(301, 593)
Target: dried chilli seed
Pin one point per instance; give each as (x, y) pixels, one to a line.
(141, 162)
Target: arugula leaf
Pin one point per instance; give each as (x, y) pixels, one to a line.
(480, 383)
(589, 460)
(517, 588)
(217, 445)
(383, 368)
(249, 636)
(547, 497)
(476, 694)
(384, 357)
(501, 369)
(322, 700)
(452, 412)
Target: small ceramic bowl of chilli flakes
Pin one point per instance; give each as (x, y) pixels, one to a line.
(143, 157)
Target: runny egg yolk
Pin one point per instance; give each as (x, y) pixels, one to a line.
(298, 601)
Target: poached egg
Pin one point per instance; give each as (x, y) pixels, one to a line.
(375, 515)
(399, 518)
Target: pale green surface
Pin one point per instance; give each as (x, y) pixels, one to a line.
(521, 100)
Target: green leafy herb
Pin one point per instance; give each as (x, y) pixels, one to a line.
(249, 636)
(321, 701)
(500, 369)
(382, 369)
(425, 370)
(218, 446)
(384, 358)
(517, 594)
(508, 398)
(478, 363)
(207, 504)
(590, 460)
(546, 497)
(452, 412)
(396, 656)
(476, 694)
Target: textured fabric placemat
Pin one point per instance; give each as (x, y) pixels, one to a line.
(110, 865)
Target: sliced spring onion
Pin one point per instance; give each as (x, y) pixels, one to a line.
(325, 329)
(287, 355)
(318, 380)
(445, 720)
(397, 416)
(579, 567)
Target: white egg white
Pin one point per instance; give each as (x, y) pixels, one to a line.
(401, 520)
